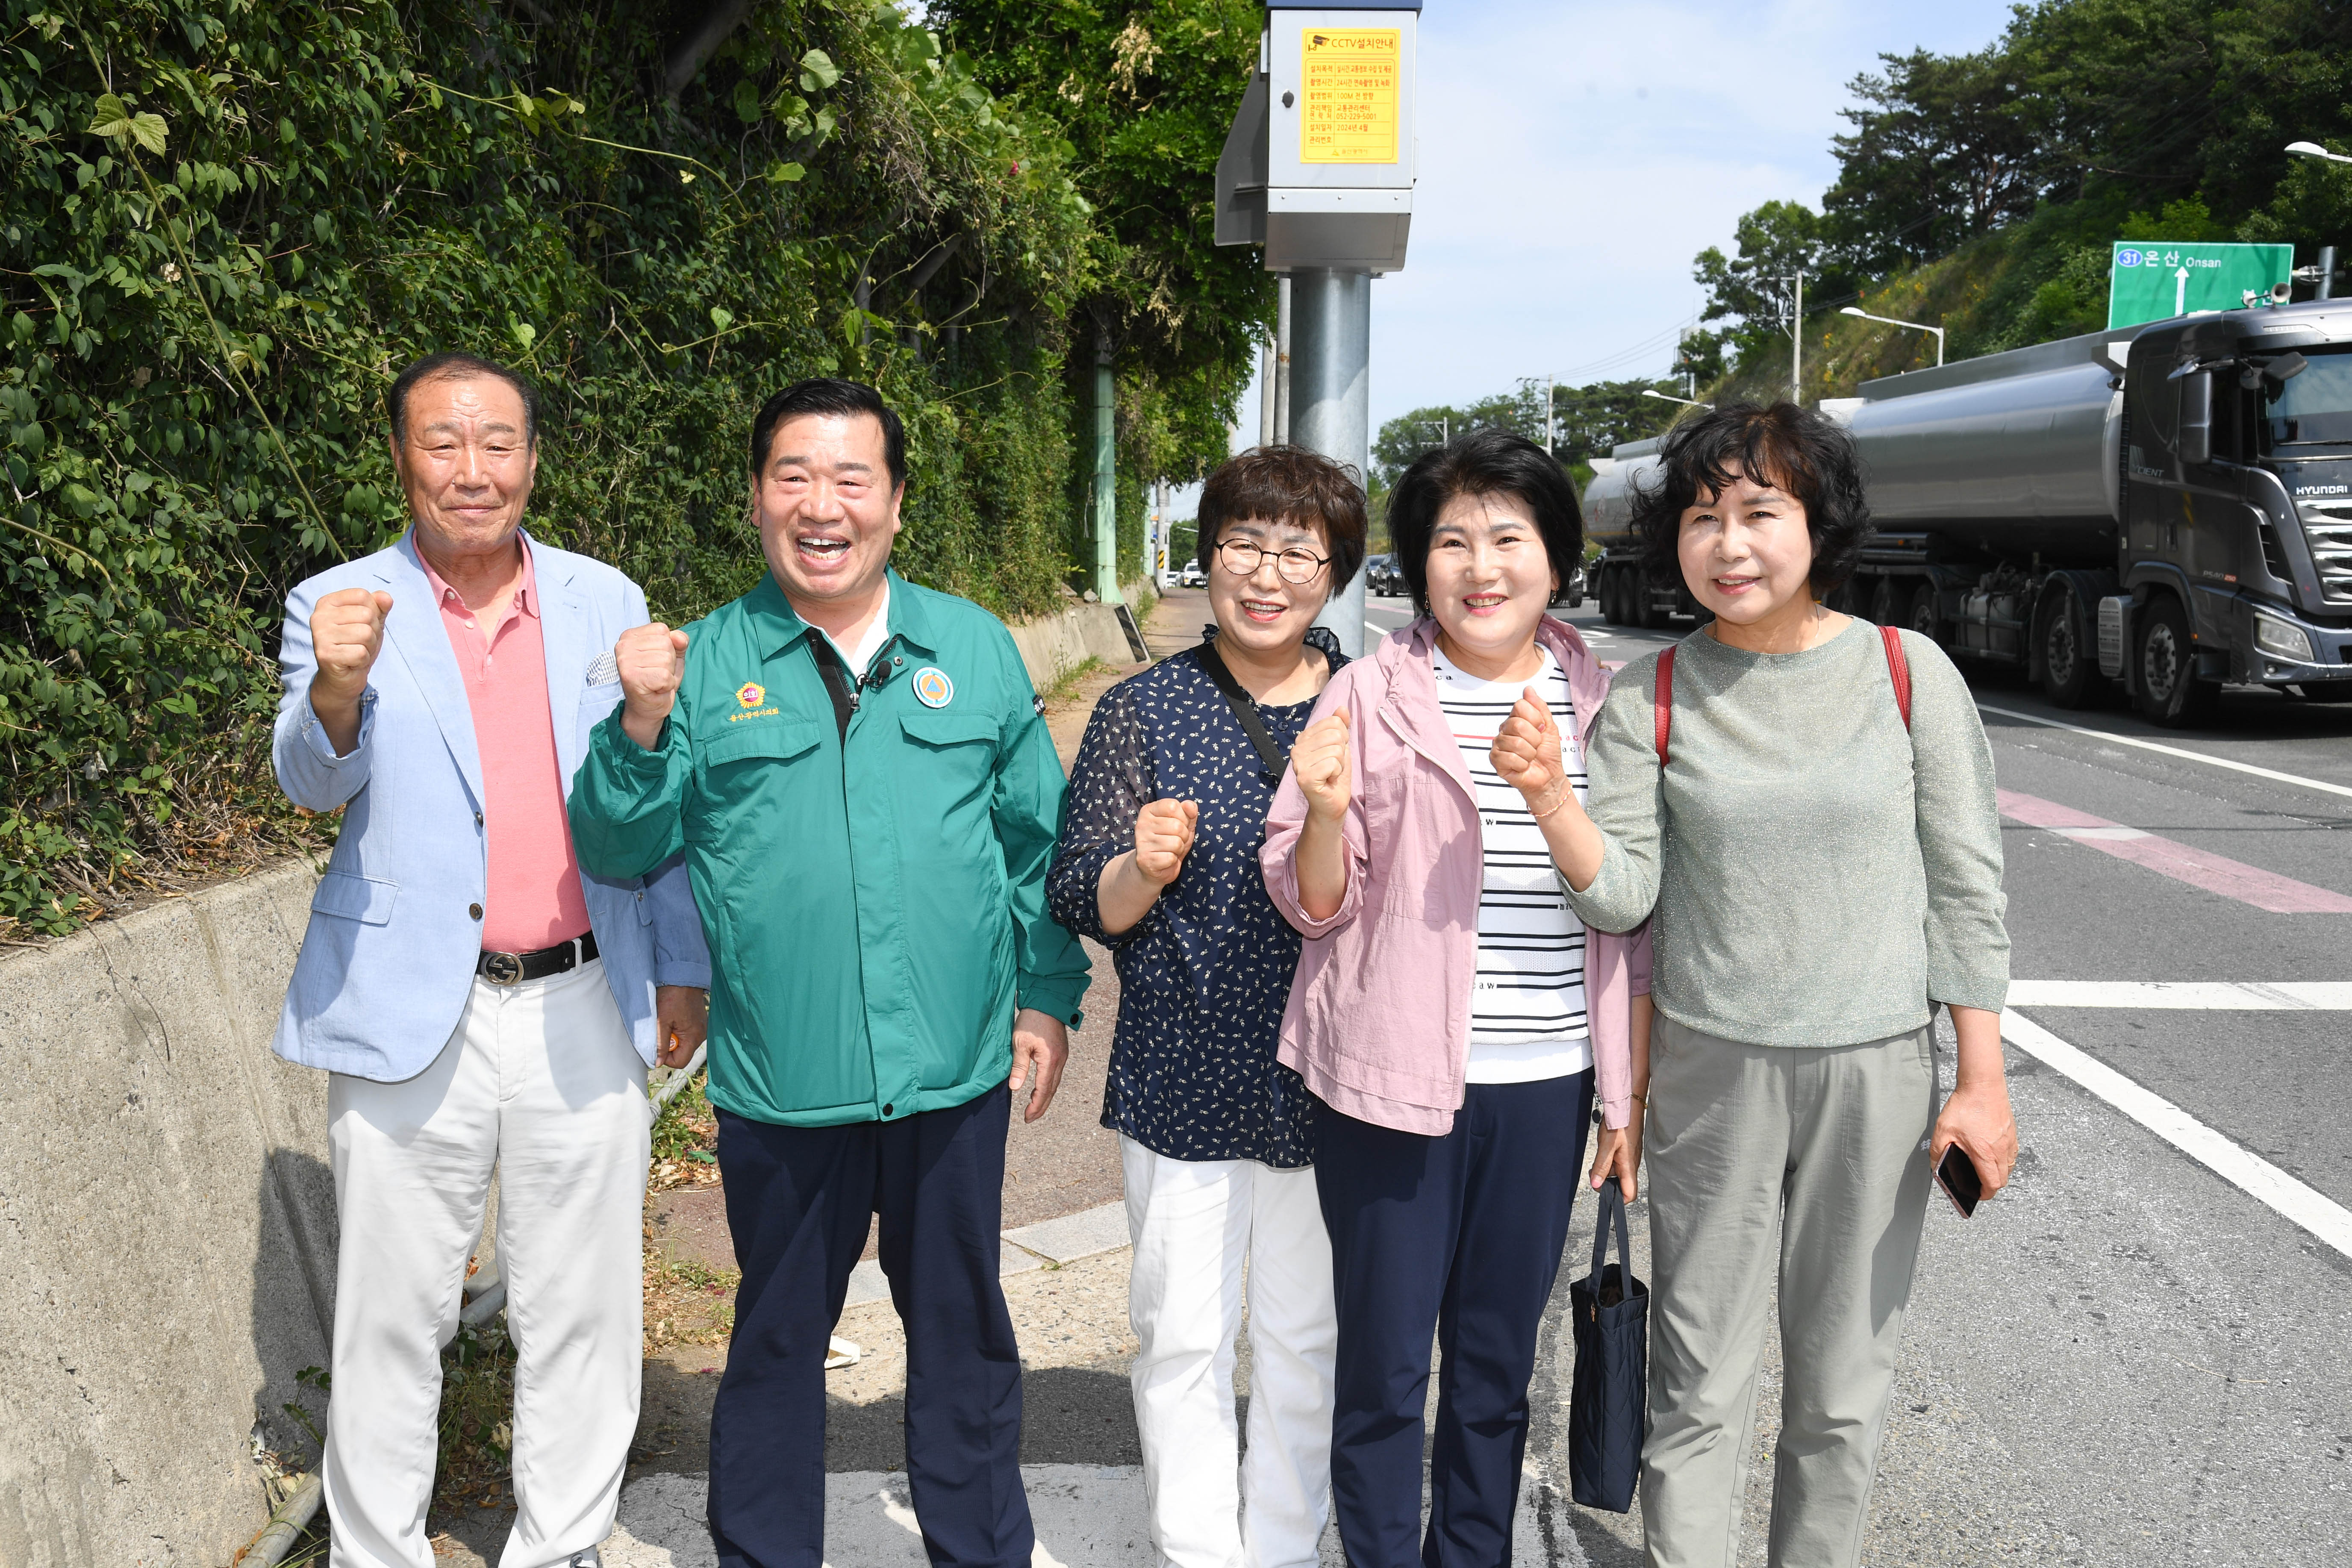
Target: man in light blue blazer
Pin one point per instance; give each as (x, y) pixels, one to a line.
(477, 998)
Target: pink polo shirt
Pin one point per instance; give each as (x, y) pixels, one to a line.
(534, 898)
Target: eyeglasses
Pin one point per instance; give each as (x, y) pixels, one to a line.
(1297, 567)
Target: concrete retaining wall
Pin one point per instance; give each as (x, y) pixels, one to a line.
(167, 1231)
(1056, 645)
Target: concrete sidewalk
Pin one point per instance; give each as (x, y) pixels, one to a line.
(1087, 1516)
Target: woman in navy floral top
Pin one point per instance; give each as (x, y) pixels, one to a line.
(1159, 860)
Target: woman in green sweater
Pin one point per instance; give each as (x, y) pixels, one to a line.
(1811, 813)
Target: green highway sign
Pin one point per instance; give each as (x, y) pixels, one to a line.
(2154, 281)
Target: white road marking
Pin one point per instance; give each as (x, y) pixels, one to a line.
(2172, 750)
(2322, 1215)
(2202, 996)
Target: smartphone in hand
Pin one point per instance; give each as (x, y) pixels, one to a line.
(1957, 1174)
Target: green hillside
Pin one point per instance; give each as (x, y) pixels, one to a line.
(1982, 192)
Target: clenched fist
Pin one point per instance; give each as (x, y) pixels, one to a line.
(346, 635)
(652, 660)
(1526, 753)
(1320, 761)
(1163, 836)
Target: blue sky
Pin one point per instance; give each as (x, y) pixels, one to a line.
(1576, 156)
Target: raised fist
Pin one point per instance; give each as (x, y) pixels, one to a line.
(652, 660)
(1163, 836)
(346, 634)
(1527, 750)
(1320, 761)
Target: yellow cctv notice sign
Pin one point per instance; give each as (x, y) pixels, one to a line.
(1350, 79)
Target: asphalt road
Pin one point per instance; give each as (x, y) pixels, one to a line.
(2127, 1358)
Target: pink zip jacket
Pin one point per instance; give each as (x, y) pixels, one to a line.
(1379, 1020)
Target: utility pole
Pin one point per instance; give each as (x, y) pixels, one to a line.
(1155, 533)
(1548, 427)
(1266, 395)
(1797, 345)
(1281, 359)
(1106, 497)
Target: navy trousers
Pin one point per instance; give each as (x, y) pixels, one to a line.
(1461, 1234)
(798, 1202)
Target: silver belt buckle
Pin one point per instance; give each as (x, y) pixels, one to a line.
(502, 968)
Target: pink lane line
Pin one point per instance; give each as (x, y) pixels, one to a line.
(2214, 873)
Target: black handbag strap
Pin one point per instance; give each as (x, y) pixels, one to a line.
(1612, 1207)
(1274, 758)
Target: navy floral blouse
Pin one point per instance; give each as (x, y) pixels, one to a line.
(1203, 978)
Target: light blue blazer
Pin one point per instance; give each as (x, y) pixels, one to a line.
(389, 957)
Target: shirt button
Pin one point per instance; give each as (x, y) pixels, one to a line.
(475, 910)
(886, 1109)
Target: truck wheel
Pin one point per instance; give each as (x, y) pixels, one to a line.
(2169, 691)
(2068, 670)
(1922, 618)
(1647, 613)
(1612, 596)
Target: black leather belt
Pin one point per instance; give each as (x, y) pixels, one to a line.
(511, 968)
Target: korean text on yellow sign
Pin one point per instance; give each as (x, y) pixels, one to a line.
(1350, 80)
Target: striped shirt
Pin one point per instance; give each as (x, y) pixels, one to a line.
(1528, 1012)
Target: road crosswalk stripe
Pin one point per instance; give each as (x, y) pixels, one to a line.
(2202, 996)
(2198, 867)
(2322, 1215)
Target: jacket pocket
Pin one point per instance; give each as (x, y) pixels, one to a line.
(367, 899)
(937, 729)
(778, 742)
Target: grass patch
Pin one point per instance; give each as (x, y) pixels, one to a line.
(477, 1468)
(686, 1141)
(687, 1303)
(1066, 686)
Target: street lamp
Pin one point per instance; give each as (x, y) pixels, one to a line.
(1917, 326)
(1663, 397)
(2323, 273)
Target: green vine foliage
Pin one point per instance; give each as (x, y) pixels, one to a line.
(229, 222)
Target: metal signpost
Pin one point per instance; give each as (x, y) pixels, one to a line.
(1318, 169)
(2155, 280)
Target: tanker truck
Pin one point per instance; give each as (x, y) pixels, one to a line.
(2168, 507)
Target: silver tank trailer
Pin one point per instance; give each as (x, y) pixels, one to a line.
(1608, 498)
(2013, 454)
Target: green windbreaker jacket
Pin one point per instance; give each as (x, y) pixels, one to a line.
(874, 901)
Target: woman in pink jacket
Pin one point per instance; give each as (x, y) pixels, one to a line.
(1450, 1012)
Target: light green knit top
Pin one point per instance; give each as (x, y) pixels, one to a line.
(1818, 877)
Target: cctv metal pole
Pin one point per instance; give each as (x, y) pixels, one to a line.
(1105, 477)
(2327, 273)
(1282, 330)
(1332, 382)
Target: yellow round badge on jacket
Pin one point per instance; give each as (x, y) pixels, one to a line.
(932, 686)
(750, 694)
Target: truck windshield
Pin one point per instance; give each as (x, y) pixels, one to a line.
(2315, 406)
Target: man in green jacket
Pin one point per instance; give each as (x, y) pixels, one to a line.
(860, 778)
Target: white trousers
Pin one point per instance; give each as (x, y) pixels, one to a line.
(1194, 1223)
(539, 1079)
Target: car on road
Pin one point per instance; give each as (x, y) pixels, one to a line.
(1192, 576)
(1381, 576)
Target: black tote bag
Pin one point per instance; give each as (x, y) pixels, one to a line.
(1609, 1401)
